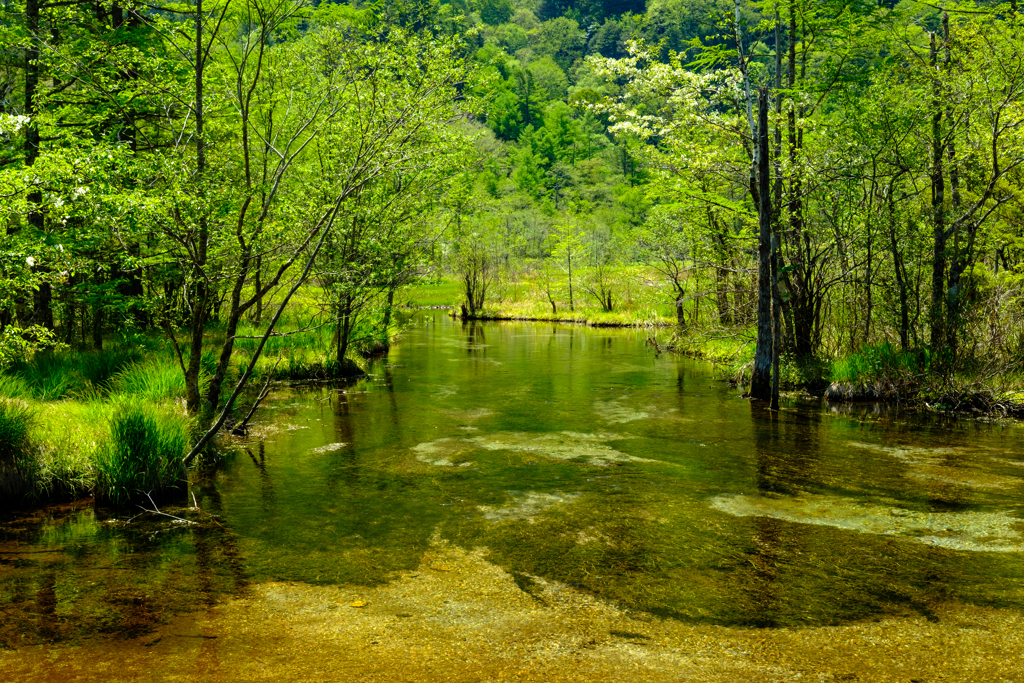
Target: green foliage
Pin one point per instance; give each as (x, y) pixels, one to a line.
(142, 454)
(496, 11)
(562, 40)
(549, 76)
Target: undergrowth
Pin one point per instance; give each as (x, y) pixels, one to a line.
(142, 455)
(17, 466)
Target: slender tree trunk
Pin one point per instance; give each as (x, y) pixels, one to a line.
(938, 336)
(721, 276)
(344, 329)
(777, 301)
(761, 377)
(953, 298)
(799, 281)
(200, 295)
(902, 285)
(234, 318)
(68, 319)
(776, 323)
(572, 306)
(386, 342)
(97, 322)
(42, 296)
(258, 316)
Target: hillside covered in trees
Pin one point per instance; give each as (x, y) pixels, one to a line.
(201, 196)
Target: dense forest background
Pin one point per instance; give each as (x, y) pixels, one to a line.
(227, 189)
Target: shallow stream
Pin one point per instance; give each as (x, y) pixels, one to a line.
(561, 456)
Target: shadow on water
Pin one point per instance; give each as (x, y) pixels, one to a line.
(74, 571)
(572, 456)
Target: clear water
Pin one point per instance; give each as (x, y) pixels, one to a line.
(570, 454)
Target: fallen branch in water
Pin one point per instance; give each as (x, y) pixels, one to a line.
(156, 511)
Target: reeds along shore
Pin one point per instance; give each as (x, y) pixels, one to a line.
(112, 424)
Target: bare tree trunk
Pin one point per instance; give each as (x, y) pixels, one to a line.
(776, 324)
(953, 298)
(900, 272)
(97, 323)
(42, 311)
(386, 342)
(777, 302)
(761, 377)
(938, 209)
(725, 316)
(200, 294)
(258, 315)
(572, 306)
(345, 324)
(799, 282)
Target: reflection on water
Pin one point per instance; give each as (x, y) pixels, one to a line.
(566, 455)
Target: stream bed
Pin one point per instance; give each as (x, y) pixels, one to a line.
(527, 501)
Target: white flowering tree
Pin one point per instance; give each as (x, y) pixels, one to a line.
(690, 128)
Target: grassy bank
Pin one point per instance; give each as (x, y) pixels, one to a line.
(637, 300)
(875, 373)
(112, 424)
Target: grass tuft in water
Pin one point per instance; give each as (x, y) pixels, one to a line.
(142, 455)
(17, 464)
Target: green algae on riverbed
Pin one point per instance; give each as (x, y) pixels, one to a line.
(459, 617)
(967, 530)
(591, 449)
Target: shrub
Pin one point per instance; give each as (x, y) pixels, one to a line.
(17, 462)
(142, 455)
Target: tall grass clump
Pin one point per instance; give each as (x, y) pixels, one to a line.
(14, 387)
(17, 461)
(153, 380)
(878, 363)
(877, 372)
(50, 376)
(141, 456)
